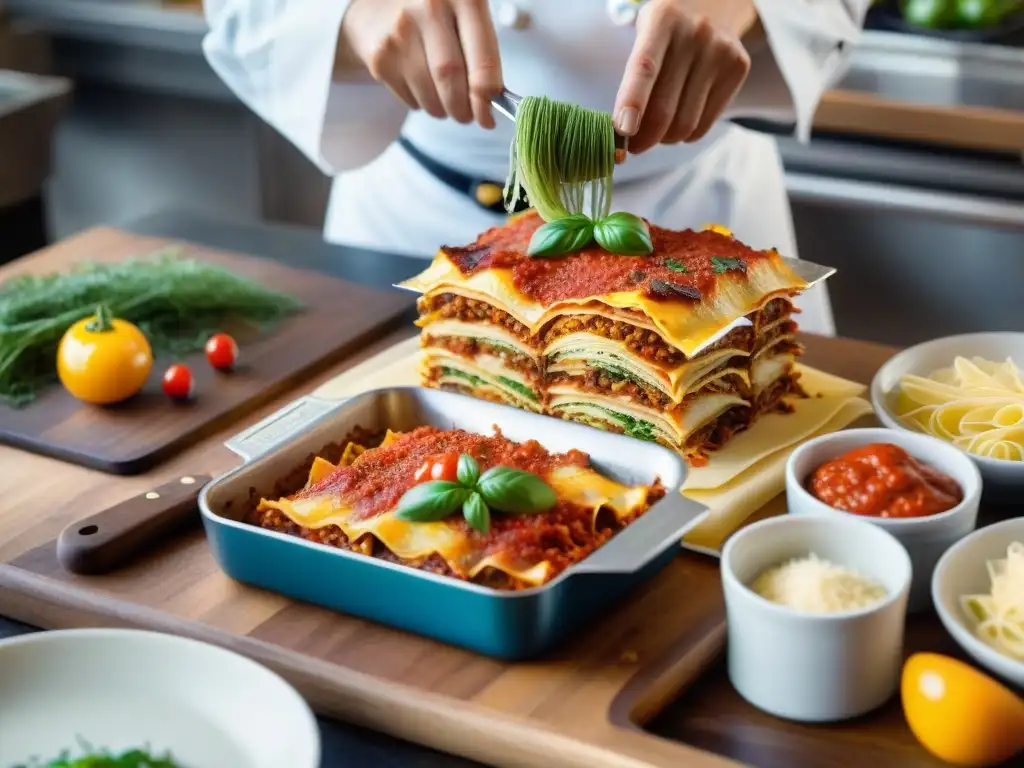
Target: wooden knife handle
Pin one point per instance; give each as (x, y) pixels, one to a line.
(104, 541)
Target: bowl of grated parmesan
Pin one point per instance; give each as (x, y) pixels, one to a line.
(815, 611)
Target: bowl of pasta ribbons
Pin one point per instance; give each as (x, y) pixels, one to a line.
(978, 591)
(967, 390)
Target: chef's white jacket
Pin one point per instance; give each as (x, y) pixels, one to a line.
(278, 57)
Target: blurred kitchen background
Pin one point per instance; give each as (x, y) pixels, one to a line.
(913, 185)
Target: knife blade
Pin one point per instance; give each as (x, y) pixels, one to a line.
(107, 540)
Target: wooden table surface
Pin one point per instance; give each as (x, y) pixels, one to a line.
(710, 715)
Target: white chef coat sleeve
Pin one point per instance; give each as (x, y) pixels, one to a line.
(278, 57)
(809, 45)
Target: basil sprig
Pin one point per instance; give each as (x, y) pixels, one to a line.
(621, 233)
(501, 489)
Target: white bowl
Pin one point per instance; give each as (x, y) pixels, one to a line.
(1002, 478)
(926, 538)
(814, 667)
(123, 689)
(962, 571)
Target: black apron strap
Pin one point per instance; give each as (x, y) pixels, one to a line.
(485, 193)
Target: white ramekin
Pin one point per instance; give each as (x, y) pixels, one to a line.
(926, 538)
(814, 667)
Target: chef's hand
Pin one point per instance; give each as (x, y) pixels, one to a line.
(440, 56)
(686, 65)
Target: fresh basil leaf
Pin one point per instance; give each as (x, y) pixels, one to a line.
(723, 265)
(429, 502)
(675, 265)
(468, 470)
(624, 233)
(475, 510)
(515, 491)
(562, 236)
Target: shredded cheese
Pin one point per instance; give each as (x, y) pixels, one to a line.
(999, 616)
(813, 585)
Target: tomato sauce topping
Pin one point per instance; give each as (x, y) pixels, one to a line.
(685, 266)
(375, 481)
(883, 480)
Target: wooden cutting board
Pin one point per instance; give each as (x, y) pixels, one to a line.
(132, 436)
(580, 707)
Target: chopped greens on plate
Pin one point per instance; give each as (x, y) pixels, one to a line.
(133, 758)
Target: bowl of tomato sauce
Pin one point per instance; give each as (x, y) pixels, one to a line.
(923, 491)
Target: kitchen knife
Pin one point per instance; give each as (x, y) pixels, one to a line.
(103, 542)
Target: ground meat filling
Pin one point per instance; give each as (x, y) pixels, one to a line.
(770, 398)
(775, 309)
(766, 338)
(471, 348)
(490, 395)
(714, 435)
(645, 343)
(454, 307)
(602, 383)
(333, 536)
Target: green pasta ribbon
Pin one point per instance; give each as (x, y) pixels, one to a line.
(563, 156)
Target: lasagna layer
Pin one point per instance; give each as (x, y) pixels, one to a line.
(564, 337)
(692, 287)
(484, 375)
(351, 506)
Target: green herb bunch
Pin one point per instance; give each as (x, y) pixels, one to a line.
(501, 489)
(133, 758)
(178, 303)
(621, 233)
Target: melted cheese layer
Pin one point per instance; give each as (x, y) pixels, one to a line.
(483, 373)
(674, 381)
(674, 426)
(687, 327)
(415, 542)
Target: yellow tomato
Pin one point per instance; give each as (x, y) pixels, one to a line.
(959, 714)
(719, 229)
(103, 360)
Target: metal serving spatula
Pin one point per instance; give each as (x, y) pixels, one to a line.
(507, 103)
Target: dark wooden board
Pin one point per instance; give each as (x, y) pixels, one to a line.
(133, 436)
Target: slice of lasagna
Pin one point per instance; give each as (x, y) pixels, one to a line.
(684, 346)
(352, 505)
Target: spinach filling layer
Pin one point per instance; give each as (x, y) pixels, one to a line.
(476, 381)
(631, 426)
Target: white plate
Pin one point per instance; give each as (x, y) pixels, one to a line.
(123, 689)
(1002, 478)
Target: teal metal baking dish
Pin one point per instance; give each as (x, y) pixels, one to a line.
(503, 624)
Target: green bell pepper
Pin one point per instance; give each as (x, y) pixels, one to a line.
(985, 14)
(931, 14)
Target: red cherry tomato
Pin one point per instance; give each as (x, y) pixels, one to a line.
(222, 351)
(178, 382)
(443, 467)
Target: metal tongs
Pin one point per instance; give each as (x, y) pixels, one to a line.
(507, 103)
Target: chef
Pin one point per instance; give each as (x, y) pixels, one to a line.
(391, 98)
